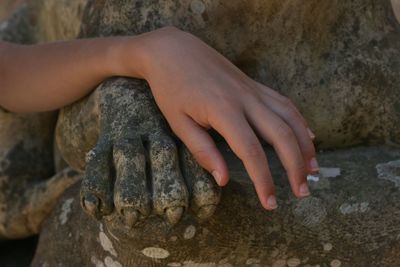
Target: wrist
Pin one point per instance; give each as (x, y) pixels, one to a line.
(127, 57)
(138, 53)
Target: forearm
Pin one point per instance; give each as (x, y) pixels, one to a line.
(49, 76)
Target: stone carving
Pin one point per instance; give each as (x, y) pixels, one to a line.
(338, 61)
(350, 220)
(135, 165)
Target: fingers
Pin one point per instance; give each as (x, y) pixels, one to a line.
(269, 94)
(289, 114)
(203, 148)
(237, 132)
(276, 119)
(282, 137)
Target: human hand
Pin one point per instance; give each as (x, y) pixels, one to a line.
(196, 89)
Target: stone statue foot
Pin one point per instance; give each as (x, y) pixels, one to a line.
(136, 167)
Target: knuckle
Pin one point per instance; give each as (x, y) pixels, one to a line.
(289, 112)
(226, 104)
(251, 150)
(201, 155)
(287, 102)
(290, 105)
(309, 151)
(297, 168)
(284, 131)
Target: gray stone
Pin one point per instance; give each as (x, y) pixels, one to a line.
(241, 231)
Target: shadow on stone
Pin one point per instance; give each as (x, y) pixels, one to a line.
(17, 253)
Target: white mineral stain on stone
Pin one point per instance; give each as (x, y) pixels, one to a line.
(90, 155)
(65, 210)
(197, 7)
(327, 246)
(111, 263)
(329, 172)
(97, 262)
(312, 178)
(155, 253)
(293, 262)
(107, 244)
(336, 263)
(347, 208)
(113, 236)
(190, 232)
(310, 211)
(389, 171)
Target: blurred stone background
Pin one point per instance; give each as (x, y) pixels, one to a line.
(8, 6)
(15, 253)
(18, 253)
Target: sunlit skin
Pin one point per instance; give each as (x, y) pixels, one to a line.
(194, 86)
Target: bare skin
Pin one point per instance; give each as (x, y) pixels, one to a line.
(194, 86)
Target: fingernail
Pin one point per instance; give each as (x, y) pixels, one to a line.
(271, 202)
(310, 133)
(217, 177)
(314, 165)
(304, 191)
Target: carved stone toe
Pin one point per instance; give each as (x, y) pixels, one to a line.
(96, 190)
(131, 196)
(205, 193)
(169, 189)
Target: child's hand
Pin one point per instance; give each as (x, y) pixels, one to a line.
(196, 88)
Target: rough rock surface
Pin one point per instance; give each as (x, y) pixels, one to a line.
(350, 220)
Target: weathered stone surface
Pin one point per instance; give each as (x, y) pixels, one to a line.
(338, 61)
(17, 28)
(56, 20)
(352, 221)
